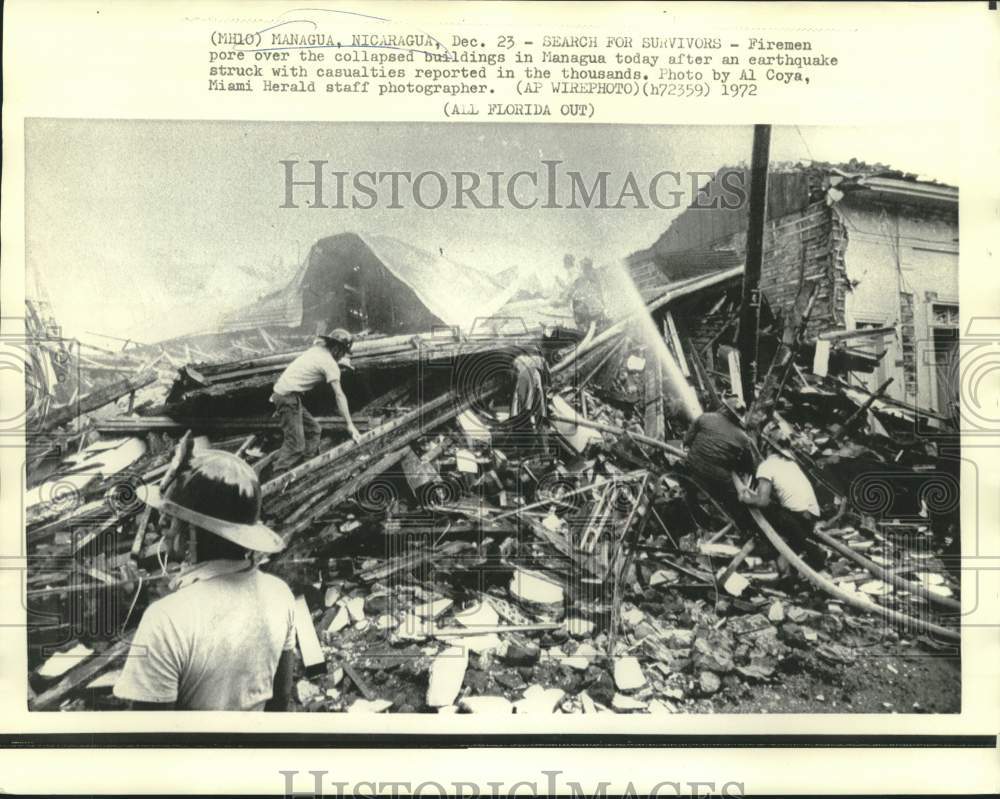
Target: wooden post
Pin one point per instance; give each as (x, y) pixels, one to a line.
(750, 303)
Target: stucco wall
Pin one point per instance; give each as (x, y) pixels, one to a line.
(892, 249)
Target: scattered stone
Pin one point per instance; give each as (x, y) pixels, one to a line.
(511, 680)
(736, 584)
(370, 706)
(579, 627)
(61, 662)
(709, 683)
(581, 658)
(521, 655)
(378, 604)
(339, 622)
(659, 706)
(306, 691)
(661, 576)
(633, 616)
(478, 615)
(628, 674)
(331, 596)
(534, 589)
(434, 609)
(626, 704)
(539, 700)
(355, 608)
(492, 705)
(776, 612)
(414, 628)
(446, 676)
(875, 588)
(679, 639)
(712, 657)
(600, 685)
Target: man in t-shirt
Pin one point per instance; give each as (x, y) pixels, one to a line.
(316, 365)
(788, 501)
(225, 638)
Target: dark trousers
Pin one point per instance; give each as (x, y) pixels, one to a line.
(300, 430)
(796, 528)
(724, 493)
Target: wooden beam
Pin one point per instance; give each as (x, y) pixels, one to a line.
(305, 632)
(618, 431)
(675, 342)
(83, 673)
(135, 425)
(94, 400)
(852, 420)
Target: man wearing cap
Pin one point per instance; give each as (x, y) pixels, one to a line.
(787, 499)
(224, 639)
(316, 365)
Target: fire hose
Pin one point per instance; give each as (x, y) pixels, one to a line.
(834, 590)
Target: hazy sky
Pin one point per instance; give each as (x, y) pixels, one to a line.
(151, 229)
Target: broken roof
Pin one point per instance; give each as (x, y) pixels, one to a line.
(711, 218)
(455, 293)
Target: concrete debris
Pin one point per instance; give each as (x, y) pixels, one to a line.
(628, 674)
(446, 676)
(306, 691)
(539, 700)
(370, 706)
(626, 704)
(534, 589)
(490, 705)
(341, 620)
(457, 561)
(709, 683)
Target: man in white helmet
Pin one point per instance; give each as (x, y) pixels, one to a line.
(318, 364)
(225, 638)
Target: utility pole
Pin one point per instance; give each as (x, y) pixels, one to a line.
(746, 337)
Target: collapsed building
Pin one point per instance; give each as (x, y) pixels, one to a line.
(878, 248)
(451, 562)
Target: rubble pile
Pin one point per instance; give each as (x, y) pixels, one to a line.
(454, 562)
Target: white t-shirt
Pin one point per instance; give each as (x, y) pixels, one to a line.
(789, 485)
(212, 645)
(314, 366)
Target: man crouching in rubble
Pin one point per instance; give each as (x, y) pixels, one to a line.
(316, 365)
(224, 640)
(788, 501)
(717, 445)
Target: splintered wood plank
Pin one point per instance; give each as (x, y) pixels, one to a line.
(81, 674)
(312, 652)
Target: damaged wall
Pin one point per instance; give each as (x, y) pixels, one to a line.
(802, 248)
(896, 251)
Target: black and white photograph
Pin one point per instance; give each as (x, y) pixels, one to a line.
(492, 418)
